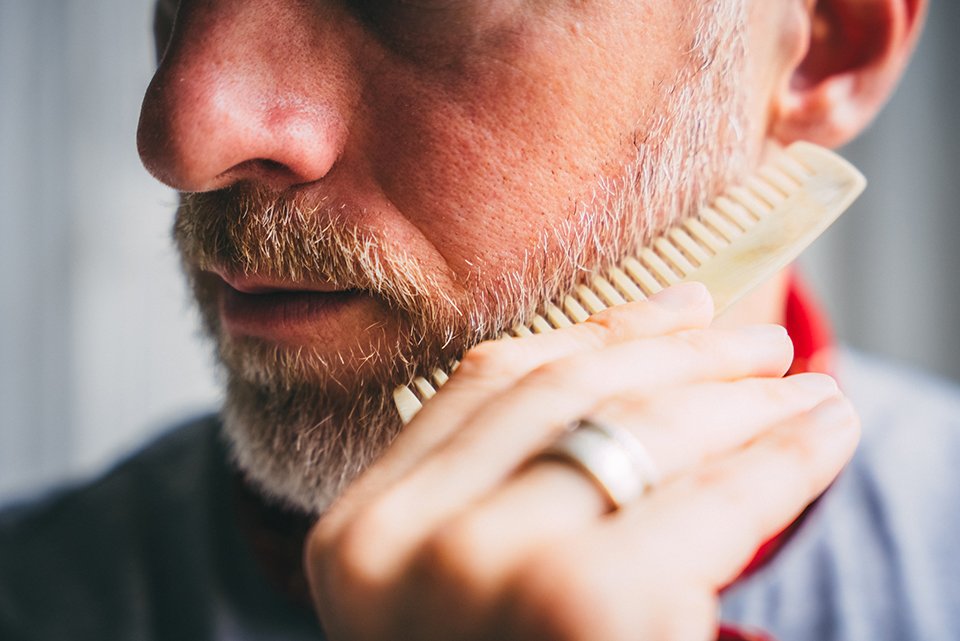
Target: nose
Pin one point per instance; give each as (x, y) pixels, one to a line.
(249, 90)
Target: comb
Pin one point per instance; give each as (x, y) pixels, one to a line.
(740, 240)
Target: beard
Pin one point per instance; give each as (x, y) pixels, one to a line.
(300, 431)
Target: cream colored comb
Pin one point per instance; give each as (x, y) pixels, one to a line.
(743, 238)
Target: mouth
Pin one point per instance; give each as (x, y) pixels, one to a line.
(283, 312)
(260, 285)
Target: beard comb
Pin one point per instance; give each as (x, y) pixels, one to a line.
(737, 242)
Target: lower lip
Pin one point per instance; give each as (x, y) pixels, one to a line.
(282, 314)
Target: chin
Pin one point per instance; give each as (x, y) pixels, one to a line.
(301, 447)
(335, 371)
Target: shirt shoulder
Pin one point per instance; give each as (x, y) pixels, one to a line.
(875, 559)
(79, 562)
(910, 449)
(104, 501)
(151, 550)
(892, 397)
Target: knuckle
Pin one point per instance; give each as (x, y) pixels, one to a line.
(819, 458)
(455, 570)
(769, 347)
(354, 554)
(456, 554)
(317, 557)
(322, 535)
(778, 391)
(616, 323)
(713, 477)
(323, 544)
(556, 592)
(800, 447)
(638, 319)
(582, 377)
(347, 576)
(693, 343)
(492, 359)
(549, 375)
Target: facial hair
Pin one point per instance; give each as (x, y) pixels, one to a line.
(300, 433)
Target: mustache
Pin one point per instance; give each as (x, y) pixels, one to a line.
(244, 230)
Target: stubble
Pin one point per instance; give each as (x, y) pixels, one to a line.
(300, 432)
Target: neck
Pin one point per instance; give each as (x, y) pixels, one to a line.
(765, 304)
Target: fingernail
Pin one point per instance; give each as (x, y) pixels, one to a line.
(832, 413)
(818, 384)
(682, 296)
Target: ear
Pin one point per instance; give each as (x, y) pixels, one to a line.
(849, 58)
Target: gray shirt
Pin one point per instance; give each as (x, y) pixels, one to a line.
(877, 558)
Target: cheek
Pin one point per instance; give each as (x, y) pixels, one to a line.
(777, 43)
(485, 157)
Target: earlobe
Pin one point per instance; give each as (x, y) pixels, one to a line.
(855, 52)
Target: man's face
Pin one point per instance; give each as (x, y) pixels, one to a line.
(373, 186)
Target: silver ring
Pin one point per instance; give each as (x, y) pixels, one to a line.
(612, 457)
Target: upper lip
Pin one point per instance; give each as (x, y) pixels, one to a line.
(257, 284)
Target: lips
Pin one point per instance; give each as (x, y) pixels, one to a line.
(277, 311)
(261, 285)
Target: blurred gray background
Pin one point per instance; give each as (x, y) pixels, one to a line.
(98, 344)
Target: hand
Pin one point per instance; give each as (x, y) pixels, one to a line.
(459, 532)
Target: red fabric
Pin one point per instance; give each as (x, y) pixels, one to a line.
(727, 633)
(814, 348)
(813, 352)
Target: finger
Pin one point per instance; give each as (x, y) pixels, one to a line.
(485, 372)
(494, 366)
(685, 428)
(680, 431)
(674, 550)
(497, 439)
(710, 523)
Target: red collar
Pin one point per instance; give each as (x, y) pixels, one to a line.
(813, 344)
(814, 351)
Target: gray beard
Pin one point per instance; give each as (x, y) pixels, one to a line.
(301, 448)
(302, 438)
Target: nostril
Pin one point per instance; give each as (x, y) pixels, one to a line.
(272, 165)
(262, 170)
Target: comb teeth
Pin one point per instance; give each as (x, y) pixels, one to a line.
(768, 220)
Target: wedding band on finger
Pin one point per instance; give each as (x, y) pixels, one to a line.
(613, 458)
